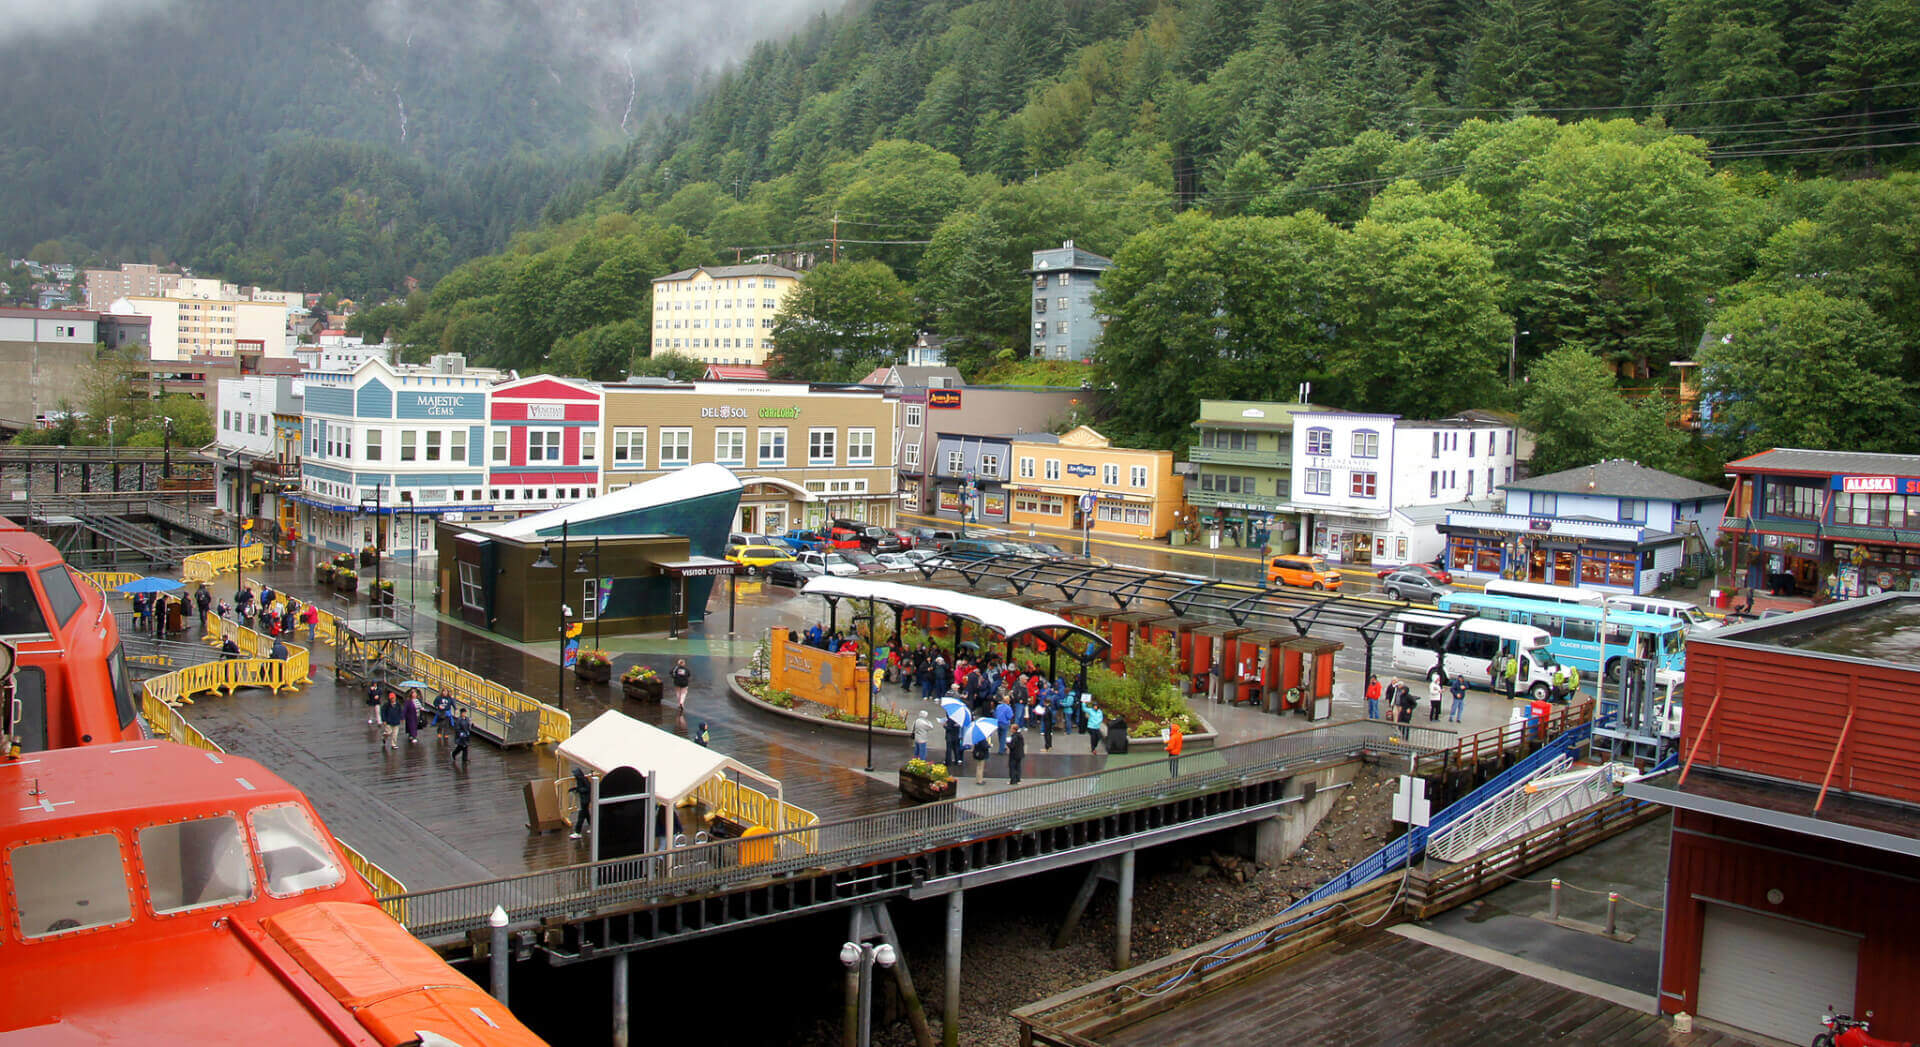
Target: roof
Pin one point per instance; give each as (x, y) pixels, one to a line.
(69, 314)
(678, 486)
(724, 373)
(877, 376)
(1008, 619)
(1620, 478)
(615, 740)
(1081, 259)
(916, 377)
(721, 272)
(1827, 463)
(159, 778)
(1436, 514)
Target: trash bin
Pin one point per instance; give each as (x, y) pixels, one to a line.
(1116, 736)
(1722, 598)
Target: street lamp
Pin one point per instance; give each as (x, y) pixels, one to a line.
(546, 562)
(859, 959)
(968, 492)
(871, 655)
(580, 567)
(1513, 350)
(1088, 500)
(166, 448)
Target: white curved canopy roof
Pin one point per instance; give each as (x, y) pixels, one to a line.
(1008, 619)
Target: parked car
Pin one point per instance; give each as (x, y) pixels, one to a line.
(843, 538)
(791, 573)
(804, 540)
(895, 561)
(1307, 572)
(1413, 585)
(865, 561)
(756, 558)
(974, 549)
(745, 538)
(881, 540)
(782, 543)
(1438, 574)
(1049, 550)
(921, 555)
(834, 563)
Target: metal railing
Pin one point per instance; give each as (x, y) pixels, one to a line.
(855, 842)
(1469, 834)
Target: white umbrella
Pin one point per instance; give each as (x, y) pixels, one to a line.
(980, 731)
(956, 710)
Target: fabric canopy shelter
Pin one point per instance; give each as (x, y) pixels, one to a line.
(1008, 619)
(615, 740)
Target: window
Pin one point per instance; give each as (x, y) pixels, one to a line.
(373, 445)
(1801, 501)
(457, 446)
(913, 414)
(910, 456)
(676, 448)
(196, 864)
(543, 445)
(69, 885)
(1053, 468)
(1059, 327)
(1319, 481)
(1433, 485)
(630, 448)
(1139, 477)
(1060, 304)
(1470, 438)
(990, 466)
(1633, 510)
(62, 597)
(590, 445)
(409, 439)
(1364, 485)
(1110, 475)
(860, 448)
(226, 419)
(1319, 441)
(956, 463)
(433, 445)
(730, 446)
(820, 446)
(1026, 467)
(773, 446)
(1066, 279)
(590, 594)
(499, 445)
(292, 851)
(1366, 444)
(1544, 504)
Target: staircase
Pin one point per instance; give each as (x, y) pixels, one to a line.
(1553, 793)
(121, 533)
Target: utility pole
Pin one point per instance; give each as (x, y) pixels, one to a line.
(835, 256)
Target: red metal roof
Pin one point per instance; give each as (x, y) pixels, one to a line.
(720, 373)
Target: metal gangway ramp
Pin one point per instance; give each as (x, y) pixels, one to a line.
(1557, 790)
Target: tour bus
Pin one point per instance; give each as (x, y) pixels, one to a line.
(1470, 648)
(1548, 593)
(1574, 631)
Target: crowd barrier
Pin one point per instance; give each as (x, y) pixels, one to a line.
(205, 567)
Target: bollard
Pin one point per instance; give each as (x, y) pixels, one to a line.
(1553, 900)
(1613, 907)
(497, 955)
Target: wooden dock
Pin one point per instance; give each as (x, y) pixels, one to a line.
(1383, 989)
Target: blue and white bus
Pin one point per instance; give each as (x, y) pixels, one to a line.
(1575, 631)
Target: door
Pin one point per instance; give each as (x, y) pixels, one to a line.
(1773, 976)
(775, 521)
(745, 525)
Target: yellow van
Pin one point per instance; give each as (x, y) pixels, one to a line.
(1307, 572)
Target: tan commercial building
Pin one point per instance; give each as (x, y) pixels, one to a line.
(106, 286)
(804, 455)
(185, 327)
(720, 314)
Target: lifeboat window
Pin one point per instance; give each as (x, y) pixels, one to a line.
(191, 865)
(291, 849)
(19, 610)
(122, 687)
(61, 594)
(69, 885)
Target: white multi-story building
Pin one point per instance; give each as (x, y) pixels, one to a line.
(720, 314)
(186, 323)
(1373, 488)
(257, 436)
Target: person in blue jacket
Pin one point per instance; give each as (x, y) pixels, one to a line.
(1096, 720)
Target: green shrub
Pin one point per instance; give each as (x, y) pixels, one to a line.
(1145, 692)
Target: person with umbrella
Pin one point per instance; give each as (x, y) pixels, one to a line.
(980, 734)
(1016, 754)
(953, 723)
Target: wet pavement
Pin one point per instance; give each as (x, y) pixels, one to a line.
(431, 824)
(1510, 920)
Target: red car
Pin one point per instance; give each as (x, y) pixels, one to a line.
(1438, 574)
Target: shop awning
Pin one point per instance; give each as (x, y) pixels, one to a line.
(615, 740)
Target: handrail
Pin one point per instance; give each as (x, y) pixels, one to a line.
(855, 842)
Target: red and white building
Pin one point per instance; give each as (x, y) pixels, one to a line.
(543, 443)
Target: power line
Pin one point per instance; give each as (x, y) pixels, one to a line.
(1655, 105)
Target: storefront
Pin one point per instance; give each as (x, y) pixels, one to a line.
(1584, 553)
(1354, 540)
(1134, 493)
(1815, 522)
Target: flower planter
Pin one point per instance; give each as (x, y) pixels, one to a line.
(323, 573)
(924, 790)
(367, 557)
(345, 585)
(593, 673)
(641, 690)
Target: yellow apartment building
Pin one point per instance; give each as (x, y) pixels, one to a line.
(1135, 493)
(720, 314)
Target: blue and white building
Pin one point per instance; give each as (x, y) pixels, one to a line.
(1616, 526)
(411, 438)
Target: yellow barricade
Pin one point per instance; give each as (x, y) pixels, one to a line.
(744, 803)
(108, 581)
(205, 567)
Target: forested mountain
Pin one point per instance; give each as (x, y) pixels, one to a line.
(1477, 178)
(329, 144)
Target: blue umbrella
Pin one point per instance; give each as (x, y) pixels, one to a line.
(956, 710)
(149, 585)
(414, 683)
(979, 731)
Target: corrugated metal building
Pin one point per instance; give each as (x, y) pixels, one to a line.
(1796, 837)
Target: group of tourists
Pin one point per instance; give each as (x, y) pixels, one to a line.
(394, 711)
(829, 640)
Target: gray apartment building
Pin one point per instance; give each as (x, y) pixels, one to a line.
(1064, 324)
(967, 417)
(49, 354)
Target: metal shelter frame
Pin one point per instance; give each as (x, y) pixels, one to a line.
(1198, 599)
